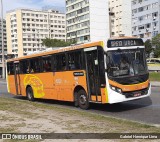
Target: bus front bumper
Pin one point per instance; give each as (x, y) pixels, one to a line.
(115, 97)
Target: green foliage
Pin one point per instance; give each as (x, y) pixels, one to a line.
(157, 52)
(154, 76)
(156, 43)
(148, 47)
(56, 43)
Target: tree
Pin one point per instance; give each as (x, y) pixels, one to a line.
(56, 43)
(156, 43)
(157, 52)
(47, 42)
(148, 47)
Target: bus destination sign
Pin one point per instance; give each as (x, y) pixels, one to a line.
(124, 43)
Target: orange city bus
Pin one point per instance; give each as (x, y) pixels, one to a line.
(84, 73)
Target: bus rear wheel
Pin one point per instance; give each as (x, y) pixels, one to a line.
(83, 100)
(30, 95)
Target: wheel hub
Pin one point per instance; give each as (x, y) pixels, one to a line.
(82, 99)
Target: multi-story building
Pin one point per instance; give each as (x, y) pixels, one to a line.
(26, 28)
(120, 17)
(87, 20)
(5, 43)
(145, 18)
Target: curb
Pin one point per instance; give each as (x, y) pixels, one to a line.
(155, 85)
(3, 82)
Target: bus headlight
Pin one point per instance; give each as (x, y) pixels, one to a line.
(118, 90)
(113, 88)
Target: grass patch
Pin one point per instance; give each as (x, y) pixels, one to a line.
(16, 106)
(154, 76)
(98, 123)
(7, 130)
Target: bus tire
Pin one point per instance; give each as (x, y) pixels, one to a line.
(76, 99)
(83, 100)
(30, 94)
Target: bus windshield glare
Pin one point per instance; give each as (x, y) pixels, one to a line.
(129, 62)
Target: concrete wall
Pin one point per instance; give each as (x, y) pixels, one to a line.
(8, 30)
(19, 33)
(99, 20)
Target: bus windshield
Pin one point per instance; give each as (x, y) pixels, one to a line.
(129, 62)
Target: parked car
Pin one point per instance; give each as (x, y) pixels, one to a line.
(153, 61)
(153, 64)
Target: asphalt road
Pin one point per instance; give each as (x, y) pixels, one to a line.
(145, 110)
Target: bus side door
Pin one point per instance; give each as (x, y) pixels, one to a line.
(92, 70)
(17, 77)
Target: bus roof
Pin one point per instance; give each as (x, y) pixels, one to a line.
(123, 37)
(61, 49)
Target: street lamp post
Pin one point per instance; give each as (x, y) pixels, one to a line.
(3, 63)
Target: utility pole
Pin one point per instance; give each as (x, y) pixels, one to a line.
(3, 63)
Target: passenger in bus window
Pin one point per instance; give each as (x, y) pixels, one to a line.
(32, 70)
(71, 65)
(47, 66)
(124, 64)
(28, 69)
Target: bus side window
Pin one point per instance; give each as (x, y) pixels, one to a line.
(71, 61)
(24, 66)
(60, 62)
(74, 60)
(10, 68)
(78, 60)
(35, 65)
(46, 61)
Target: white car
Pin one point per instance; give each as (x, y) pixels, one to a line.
(153, 64)
(153, 61)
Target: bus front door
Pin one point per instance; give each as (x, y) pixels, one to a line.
(92, 70)
(17, 78)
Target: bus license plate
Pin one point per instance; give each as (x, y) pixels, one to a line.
(137, 94)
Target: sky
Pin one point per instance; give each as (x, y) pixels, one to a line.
(33, 4)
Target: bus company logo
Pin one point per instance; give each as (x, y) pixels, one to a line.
(36, 85)
(58, 81)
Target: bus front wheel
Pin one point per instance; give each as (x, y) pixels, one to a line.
(83, 100)
(30, 95)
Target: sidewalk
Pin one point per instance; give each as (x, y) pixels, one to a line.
(2, 80)
(155, 84)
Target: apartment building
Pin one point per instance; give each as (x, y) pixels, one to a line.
(145, 18)
(4, 41)
(120, 17)
(87, 20)
(26, 28)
